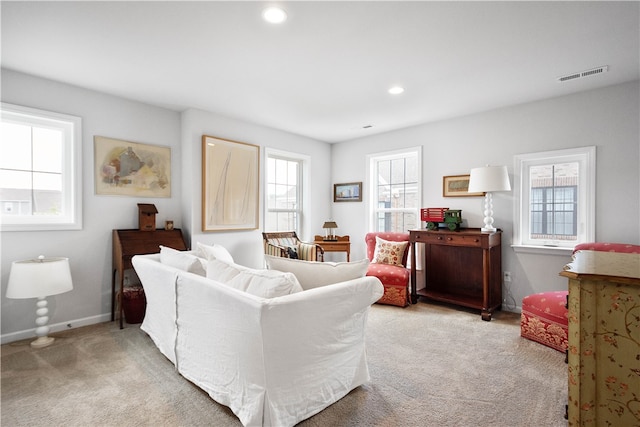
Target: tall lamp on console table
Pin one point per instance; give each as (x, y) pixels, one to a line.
(489, 179)
(39, 278)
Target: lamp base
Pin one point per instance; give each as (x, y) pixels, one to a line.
(42, 342)
(489, 229)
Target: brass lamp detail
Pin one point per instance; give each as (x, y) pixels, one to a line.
(329, 234)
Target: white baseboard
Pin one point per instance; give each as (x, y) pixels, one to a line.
(512, 309)
(57, 327)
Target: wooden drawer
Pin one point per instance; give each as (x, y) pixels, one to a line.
(338, 247)
(452, 239)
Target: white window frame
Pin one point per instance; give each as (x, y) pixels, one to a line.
(586, 219)
(71, 170)
(303, 176)
(372, 159)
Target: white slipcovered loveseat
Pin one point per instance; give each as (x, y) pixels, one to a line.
(273, 361)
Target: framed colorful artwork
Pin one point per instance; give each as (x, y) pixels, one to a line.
(125, 168)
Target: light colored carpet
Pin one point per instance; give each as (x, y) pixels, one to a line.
(431, 365)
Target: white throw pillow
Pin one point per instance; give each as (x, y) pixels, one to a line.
(182, 260)
(214, 251)
(222, 271)
(312, 274)
(266, 284)
(261, 283)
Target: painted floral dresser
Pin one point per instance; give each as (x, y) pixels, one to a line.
(604, 339)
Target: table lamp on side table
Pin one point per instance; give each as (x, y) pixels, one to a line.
(39, 278)
(329, 234)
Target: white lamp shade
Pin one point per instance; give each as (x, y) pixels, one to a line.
(489, 178)
(35, 278)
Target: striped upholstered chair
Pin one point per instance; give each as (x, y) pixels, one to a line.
(287, 245)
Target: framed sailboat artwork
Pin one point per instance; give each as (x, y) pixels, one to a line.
(230, 184)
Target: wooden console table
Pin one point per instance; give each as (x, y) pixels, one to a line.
(604, 339)
(341, 244)
(459, 267)
(126, 244)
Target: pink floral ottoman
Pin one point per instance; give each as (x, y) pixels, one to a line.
(544, 319)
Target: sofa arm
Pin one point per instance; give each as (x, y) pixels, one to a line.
(314, 347)
(158, 281)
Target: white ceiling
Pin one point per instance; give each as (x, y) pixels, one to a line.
(325, 72)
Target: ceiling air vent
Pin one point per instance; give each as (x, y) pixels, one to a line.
(586, 73)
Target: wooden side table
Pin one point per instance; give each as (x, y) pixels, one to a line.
(126, 244)
(341, 244)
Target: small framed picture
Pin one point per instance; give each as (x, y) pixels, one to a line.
(348, 192)
(457, 186)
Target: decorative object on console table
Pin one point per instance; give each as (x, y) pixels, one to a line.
(489, 179)
(39, 278)
(126, 244)
(604, 304)
(329, 233)
(147, 217)
(459, 267)
(452, 218)
(340, 244)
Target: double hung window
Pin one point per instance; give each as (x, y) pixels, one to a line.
(284, 204)
(40, 170)
(395, 190)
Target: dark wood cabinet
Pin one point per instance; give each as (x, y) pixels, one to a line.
(459, 267)
(126, 244)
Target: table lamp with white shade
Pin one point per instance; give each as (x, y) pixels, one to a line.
(487, 180)
(40, 278)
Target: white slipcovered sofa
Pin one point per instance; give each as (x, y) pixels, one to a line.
(273, 361)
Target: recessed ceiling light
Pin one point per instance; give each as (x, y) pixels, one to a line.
(396, 90)
(274, 15)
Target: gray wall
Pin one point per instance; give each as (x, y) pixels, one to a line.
(607, 118)
(246, 246)
(89, 249)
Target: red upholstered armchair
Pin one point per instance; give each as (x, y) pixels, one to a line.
(389, 265)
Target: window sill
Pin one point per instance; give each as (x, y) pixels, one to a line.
(544, 250)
